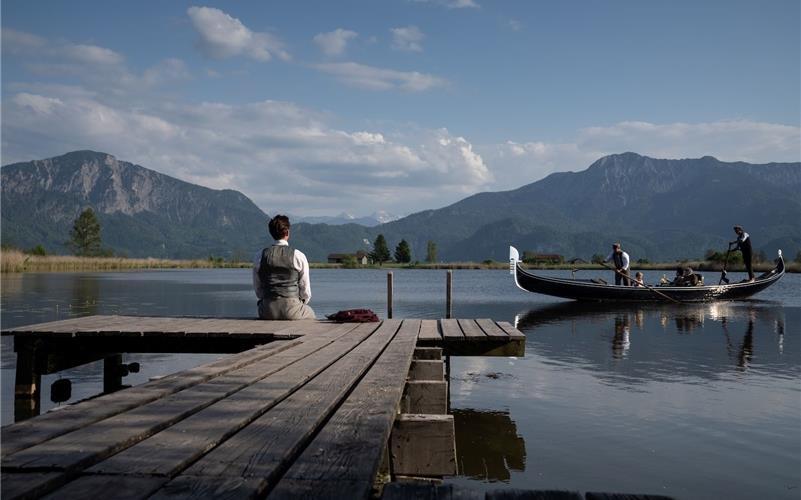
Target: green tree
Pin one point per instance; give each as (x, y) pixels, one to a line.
(380, 251)
(350, 262)
(85, 234)
(37, 250)
(431, 252)
(403, 253)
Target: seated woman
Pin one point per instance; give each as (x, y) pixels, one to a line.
(638, 279)
(686, 277)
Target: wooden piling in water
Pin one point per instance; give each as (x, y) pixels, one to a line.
(449, 295)
(389, 295)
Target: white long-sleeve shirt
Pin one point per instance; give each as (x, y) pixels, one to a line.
(624, 258)
(301, 265)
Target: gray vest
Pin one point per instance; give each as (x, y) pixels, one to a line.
(277, 272)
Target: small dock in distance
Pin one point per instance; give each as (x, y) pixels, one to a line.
(307, 408)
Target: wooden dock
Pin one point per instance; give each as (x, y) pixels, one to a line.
(311, 408)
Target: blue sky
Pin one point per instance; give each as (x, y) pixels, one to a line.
(316, 108)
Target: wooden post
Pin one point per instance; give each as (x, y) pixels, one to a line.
(27, 385)
(389, 295)
(112, 374)
(449, 295)
(423, 445)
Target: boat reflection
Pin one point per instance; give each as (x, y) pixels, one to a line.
(488, 446)
(659, 341)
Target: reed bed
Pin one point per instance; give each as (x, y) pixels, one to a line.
(14, 261)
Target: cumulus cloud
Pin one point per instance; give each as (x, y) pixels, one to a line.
(372, 78)
(253, 148)
(15, 42)
(91, 54)
(408, 39)
(222, 36)
(517, 163)
(452, 4)
(96, 67)
(334, 42)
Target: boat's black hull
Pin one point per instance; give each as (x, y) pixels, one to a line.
(587, 290)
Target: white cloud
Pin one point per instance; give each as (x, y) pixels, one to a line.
(98, 68)
(372, 78)
(518, 163)
(452, 4)
(223, 36)
(91, 54)
(38, 104)
(334, 42)
(278, 153)
(727, 140)
(408, 39)
(16, 42)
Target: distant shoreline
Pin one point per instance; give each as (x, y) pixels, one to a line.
(15, 261)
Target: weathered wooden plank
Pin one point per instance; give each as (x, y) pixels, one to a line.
(451, 330)
(25, 434)
(425, 369)
(295, 329)
(232, 488)
(429, 331)
(342, 460)
(431, 353)
(425, 397)
(423, 445)
(19, 484)
(86, 446)
(510, 330)
(266, 447)
(172, 450)
(116, 487)
(471, 330)
(492, 329)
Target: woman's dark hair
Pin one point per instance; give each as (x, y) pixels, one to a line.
(279, 226)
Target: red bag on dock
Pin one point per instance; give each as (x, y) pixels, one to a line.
(354, 316)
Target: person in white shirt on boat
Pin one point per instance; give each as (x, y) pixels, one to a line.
(621, 261)
(281, 277)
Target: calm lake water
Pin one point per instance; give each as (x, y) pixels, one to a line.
(693, 401)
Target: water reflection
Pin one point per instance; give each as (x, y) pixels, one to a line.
(85, 296)
(488, 446)
(661, 341)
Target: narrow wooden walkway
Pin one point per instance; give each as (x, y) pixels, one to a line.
(462, 336)
(308, 414)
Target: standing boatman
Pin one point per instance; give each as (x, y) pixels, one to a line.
(621, 260)
(743, 244)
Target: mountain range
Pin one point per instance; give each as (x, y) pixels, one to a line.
(659, 209)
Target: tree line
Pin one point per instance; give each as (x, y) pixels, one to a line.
(403, 252)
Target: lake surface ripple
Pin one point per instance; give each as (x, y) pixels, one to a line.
(694, 401)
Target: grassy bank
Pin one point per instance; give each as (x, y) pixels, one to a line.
(14, 261)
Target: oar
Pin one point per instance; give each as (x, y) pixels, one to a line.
(723, 272)
(643, 284)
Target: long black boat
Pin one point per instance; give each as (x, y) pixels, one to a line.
(596, 290)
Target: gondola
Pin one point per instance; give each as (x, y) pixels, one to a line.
(597, 290)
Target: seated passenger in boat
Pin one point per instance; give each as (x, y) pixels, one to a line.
(686, 277)
(638, 279)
